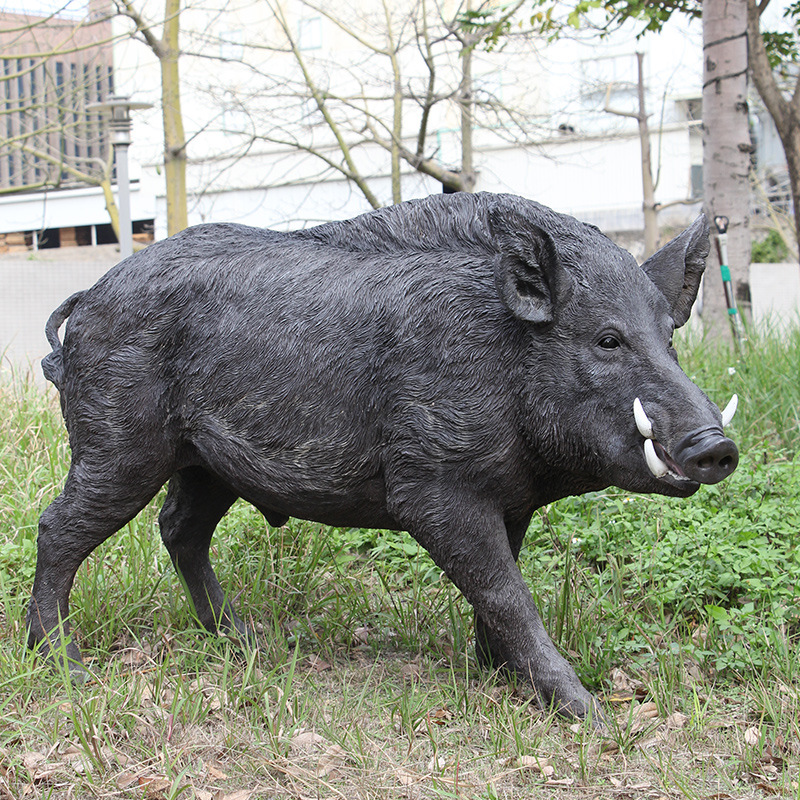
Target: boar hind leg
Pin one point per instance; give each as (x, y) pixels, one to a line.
(196, 502)
(91, 507)
(479, 555)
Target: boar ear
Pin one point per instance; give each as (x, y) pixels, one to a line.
(528, 273)
(677, 267)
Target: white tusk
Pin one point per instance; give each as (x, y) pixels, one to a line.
(656, 465)
(730, 410)
(642, 420)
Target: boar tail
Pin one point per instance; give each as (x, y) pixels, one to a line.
(53, 363)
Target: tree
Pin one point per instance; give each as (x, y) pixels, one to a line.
(649, 207)
(771, 53)
(726, 136)
(726, 145)
(166, 49)
(411, 72)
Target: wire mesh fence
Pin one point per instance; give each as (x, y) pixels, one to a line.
(31, 288)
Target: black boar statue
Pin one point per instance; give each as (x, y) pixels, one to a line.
(444, 366)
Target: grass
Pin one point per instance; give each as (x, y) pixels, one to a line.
(682, 615)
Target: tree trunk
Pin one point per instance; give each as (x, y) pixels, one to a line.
(785, 113)
(726, 152)
(466, 101)
(648, 186)
(649, 209)
(174, 136)
(111, 205)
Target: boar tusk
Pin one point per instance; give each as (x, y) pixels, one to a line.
(656, 465)
(642, 420)
(730, 410)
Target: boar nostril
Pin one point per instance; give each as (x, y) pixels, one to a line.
(707, 456)
(705, 463)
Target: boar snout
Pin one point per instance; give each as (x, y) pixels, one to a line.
(706, 456)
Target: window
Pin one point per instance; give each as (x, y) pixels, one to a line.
(615, 75)
(309, 33)
(234, 118)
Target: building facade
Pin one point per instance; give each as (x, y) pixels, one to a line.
(54, 149)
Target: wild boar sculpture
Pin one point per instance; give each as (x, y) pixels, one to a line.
(444, 366)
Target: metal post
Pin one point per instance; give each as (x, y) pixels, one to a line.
(721, 224)
(123, 181)
(120, 108)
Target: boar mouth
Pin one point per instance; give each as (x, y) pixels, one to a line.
(660, 464)
(658, 460)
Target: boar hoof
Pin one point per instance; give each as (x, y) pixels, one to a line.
(62, 659)
(583, 707)
(562, 692)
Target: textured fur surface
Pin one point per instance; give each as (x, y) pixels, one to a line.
(445, 366)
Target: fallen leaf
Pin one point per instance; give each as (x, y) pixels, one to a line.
(648, 710)
(361, 636)
(440, 716)
(534, 764)
(126, 780)
(154, 785)
(677, 720)
(769, 757)
(653, 741)
(560, 782)
(639, 717)
(332, 758)
(242, 794)
(318, 664)
(410, 672)
(437, 764)
(215, 773)
(305, 740)
(32, 760)
(620, 681)
(407, 778)
(752, 736)
(133, 657)
(624, 688)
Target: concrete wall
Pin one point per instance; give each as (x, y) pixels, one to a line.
(775, 293)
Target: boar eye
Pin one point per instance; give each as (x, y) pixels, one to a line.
(609, 342)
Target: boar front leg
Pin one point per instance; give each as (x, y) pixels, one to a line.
(479, 554)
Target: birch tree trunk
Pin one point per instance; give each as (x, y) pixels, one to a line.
(726, 152)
